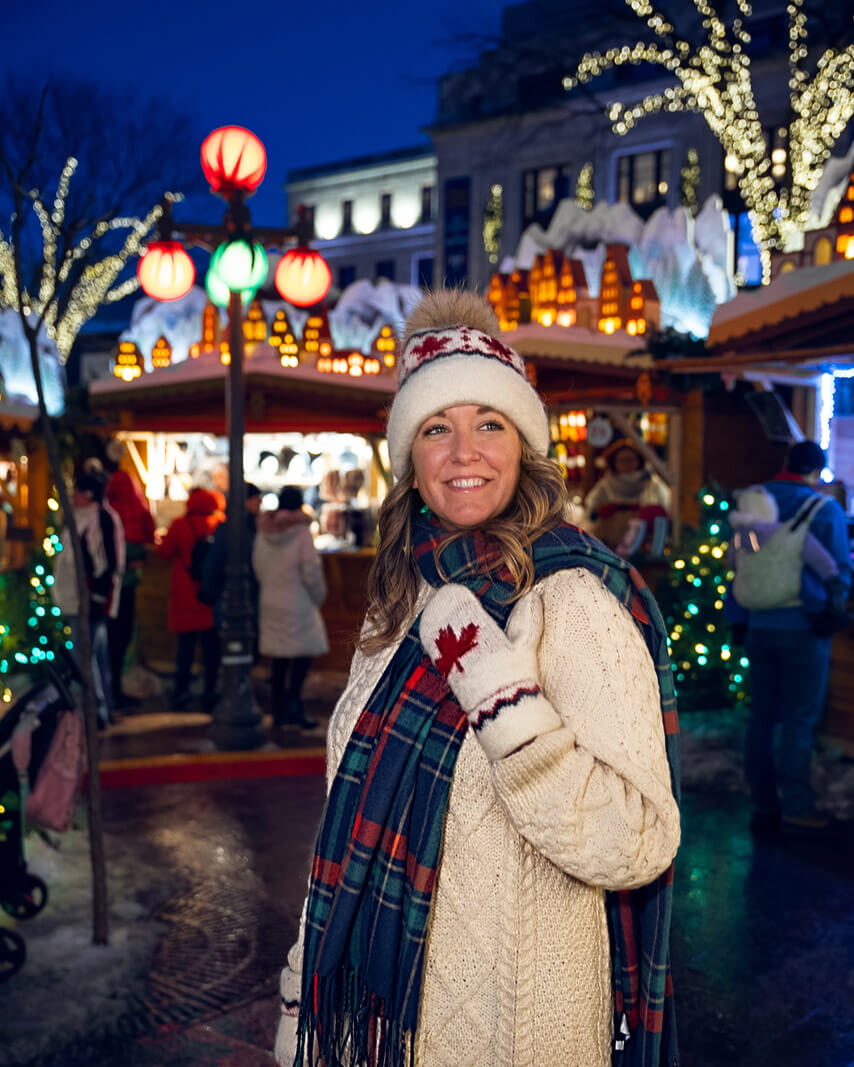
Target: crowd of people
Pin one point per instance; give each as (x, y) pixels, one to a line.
(286, 587)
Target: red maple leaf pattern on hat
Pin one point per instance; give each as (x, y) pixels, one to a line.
(430, 346)
(451, 648)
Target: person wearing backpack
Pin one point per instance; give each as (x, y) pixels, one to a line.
(189, 618)
(781, 588)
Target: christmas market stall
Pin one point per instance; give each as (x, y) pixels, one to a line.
(315, 417)
(789, 346)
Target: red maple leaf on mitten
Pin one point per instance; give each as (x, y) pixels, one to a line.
(451, 648)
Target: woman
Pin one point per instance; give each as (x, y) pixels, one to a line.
(498, 767)
(125, 495)
(189, 618)
(626, 500)
(292, 588)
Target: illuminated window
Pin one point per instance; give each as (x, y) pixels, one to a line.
(643, 180)
(823, 252)
(542, 189)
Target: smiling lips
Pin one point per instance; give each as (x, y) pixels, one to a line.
(466, 483)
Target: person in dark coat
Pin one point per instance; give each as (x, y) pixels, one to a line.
(213, 571)
(127, 499)
(189, 618)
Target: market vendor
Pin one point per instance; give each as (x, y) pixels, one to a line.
(623, 506)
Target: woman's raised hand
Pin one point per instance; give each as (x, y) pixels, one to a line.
(493, 673)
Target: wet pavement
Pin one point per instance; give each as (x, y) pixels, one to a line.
(763, 940)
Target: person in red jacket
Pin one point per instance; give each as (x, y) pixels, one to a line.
(189, 618)
(126, 497)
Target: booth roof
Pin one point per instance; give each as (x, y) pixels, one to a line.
(790, 295)
(577, 345)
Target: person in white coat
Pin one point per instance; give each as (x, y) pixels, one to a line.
(491, 881)
(291, 589)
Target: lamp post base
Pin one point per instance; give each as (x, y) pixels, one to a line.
(236, 722)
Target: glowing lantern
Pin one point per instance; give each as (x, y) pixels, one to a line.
(255, 325)
(161, 354)
(220, 294)
(303, 277)
(240, 264)
(234, 160)
(385, 345)
(166, 272)
(129, 362)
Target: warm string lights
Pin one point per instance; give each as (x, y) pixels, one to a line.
(690, 176)
(714, 79)
(72, 284)
(585, 194)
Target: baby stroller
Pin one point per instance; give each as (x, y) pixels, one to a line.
(36, 735)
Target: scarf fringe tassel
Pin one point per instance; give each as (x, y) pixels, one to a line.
(350, 1027)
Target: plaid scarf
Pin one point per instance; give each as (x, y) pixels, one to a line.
(379, 844)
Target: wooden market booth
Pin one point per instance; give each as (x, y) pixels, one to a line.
(189, 397)
(787, 344)
(25, 482)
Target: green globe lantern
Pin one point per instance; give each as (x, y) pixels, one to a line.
(219, 292)
(239, 264)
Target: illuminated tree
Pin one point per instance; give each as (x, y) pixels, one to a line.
(584, 192)
(714, 79)
(690, 180)
(710, 671)
(62, 256)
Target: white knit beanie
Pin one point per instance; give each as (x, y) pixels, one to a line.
(450, 357)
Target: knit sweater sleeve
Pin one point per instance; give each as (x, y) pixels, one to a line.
(594, 795)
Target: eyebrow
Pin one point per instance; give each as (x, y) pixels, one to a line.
(480, 411)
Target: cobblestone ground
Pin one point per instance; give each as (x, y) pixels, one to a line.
(763, 933)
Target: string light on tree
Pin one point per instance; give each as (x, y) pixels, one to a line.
(584, 193)
(83, 281)
(715, 80)
(709, 669)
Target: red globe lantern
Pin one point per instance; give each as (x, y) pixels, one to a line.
(303, 277)
(233, 159)
(166, 272)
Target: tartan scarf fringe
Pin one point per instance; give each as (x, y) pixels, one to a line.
(350, 1027)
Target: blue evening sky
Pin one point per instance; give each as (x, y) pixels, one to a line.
(316, 81)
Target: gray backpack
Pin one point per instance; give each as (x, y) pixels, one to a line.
(768, 575)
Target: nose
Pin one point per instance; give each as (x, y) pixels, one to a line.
(465, 448)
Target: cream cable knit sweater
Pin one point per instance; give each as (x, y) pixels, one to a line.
(518, 961)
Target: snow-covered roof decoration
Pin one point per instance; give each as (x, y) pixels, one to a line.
(789, 295)
(263, 359)
(687, 258)
(826, 195)
(575, 344)
(357, 318)
(19, 387)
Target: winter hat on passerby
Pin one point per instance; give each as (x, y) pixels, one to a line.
(805, 457)
(451, 355)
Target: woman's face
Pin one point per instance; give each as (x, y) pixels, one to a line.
(627, 460)
(466, 460)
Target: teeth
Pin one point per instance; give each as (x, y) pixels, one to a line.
(467, 483)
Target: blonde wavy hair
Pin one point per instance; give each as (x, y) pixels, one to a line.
(538, 505)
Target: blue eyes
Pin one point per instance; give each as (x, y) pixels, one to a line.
(441, 427)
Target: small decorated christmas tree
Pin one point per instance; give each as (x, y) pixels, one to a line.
(710, 671)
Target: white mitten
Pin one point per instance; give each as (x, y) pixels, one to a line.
(286, 1035)
(493, 672)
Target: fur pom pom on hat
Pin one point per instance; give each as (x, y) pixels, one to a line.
(451, 355)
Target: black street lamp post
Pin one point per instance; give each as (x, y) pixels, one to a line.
(235, 174)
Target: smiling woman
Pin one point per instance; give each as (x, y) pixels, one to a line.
(502, 763)
(466, 462)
